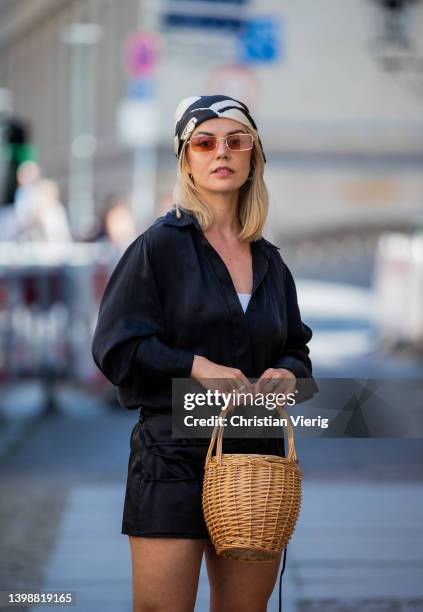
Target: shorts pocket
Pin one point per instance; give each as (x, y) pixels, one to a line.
(170, 462)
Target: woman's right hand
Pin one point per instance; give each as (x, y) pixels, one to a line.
(212, 375)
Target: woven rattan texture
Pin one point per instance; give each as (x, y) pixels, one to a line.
(251, 502)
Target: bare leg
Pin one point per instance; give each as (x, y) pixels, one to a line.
(237, 586)
(165, 573)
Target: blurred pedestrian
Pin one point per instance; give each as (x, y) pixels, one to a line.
(43, 217)
(15, 219)
(28, 176)
(117, 224)
(199, 294)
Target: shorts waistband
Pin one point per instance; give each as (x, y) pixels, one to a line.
(157, 413)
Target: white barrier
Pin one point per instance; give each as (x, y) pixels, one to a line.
(49, 298)
(398, 287)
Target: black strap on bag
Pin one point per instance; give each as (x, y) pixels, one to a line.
(280, 579)
(282, 571)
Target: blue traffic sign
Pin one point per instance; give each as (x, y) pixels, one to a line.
(173, 21)
(260, 40)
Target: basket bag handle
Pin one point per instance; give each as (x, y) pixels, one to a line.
(218, 434)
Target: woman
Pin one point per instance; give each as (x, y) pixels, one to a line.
(199, 294)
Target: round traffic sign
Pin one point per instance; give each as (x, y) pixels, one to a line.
(140, 53)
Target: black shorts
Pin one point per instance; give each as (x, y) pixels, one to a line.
(165, 478)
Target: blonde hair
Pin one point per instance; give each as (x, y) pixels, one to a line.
(253, 201)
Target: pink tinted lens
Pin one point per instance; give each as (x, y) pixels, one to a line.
(203, 143)
(240, 142)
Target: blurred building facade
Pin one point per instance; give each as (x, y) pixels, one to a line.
(337, 92)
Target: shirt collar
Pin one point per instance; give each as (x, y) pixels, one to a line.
(188, 218)
(270, 244)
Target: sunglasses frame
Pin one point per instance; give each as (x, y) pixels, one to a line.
(226, 142)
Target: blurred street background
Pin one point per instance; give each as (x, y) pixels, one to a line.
(88, 90)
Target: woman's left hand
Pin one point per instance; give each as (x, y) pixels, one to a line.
(276, 380)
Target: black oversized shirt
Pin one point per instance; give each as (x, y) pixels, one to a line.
(171, 297)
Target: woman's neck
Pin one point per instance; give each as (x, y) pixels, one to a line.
(224, 207)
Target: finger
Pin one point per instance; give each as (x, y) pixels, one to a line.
(245, 383)
(228, 386)
(240, 383)
(260, 384)
(230, 379)
(246, 397)
(272, 383)
(267, 382)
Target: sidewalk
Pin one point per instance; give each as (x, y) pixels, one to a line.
(354, 541)
(357, 541)
(92, 557)
(21, 407)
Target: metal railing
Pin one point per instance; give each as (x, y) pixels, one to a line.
(49, 299)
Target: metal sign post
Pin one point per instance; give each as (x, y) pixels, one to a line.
(81, 37)
(138, 122)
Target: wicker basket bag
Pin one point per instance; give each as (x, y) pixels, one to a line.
(251, 501)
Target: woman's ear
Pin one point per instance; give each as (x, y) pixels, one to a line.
(187, 169)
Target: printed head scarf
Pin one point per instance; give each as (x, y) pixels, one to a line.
(192, 111)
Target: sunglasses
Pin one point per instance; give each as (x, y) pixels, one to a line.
(234, 142)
